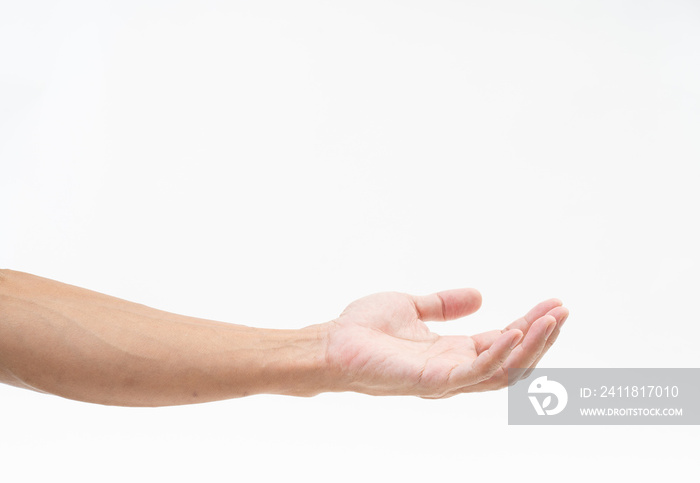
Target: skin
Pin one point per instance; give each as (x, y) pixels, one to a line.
(79, 344)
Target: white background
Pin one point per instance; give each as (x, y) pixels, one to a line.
(266, 163)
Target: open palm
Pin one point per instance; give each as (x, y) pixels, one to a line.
(381, 345)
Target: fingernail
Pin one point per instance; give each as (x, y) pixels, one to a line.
(550, 328)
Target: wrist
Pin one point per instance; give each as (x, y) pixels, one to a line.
(295, 362)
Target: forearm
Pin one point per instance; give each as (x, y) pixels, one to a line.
(88, 346)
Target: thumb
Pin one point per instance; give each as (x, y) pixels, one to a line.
(447, 305)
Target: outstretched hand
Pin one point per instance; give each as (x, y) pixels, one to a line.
(106, 350)
(381, 345)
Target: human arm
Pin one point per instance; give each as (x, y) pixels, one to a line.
(83, 345)
(80, 344)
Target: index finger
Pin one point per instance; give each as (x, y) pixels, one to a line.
(523, 323)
